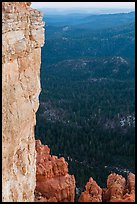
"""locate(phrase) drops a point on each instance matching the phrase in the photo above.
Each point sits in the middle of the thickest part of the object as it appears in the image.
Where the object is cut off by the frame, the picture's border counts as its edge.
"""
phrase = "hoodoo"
(29, 172)
(117, 190)
(53, 183)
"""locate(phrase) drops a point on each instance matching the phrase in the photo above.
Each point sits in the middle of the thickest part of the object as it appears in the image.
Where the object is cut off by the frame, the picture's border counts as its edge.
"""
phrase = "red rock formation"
(129, 195)
(53, 183)
(93, 192)
(115, 187)
(117, 190)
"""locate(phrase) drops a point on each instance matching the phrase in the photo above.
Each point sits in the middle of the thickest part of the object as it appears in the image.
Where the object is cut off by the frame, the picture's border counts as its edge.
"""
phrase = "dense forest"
(87, 102)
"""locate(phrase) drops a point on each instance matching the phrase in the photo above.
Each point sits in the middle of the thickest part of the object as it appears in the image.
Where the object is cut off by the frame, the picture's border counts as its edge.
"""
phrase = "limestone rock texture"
(53, 183)
(22, 39)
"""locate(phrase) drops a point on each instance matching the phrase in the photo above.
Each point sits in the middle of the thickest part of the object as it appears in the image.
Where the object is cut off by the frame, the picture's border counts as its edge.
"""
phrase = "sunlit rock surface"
(118, 190)
(92, 193)
(22, 38)
(53, 183)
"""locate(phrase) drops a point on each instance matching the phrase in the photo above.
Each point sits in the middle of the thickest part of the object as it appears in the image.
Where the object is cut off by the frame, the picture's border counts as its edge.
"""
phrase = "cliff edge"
(22, 38)
(24, 170)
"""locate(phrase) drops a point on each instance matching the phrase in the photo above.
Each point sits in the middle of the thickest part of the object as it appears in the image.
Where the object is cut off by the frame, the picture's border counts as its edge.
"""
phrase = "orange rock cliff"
(22, 39)
(29, 172)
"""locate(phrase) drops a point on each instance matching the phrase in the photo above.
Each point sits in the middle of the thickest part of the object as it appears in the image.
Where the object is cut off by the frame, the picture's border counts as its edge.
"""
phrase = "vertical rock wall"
(22, 38)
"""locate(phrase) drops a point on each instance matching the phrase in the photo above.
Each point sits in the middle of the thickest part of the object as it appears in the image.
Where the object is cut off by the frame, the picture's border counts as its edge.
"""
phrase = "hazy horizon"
(61, 8)
(85, 5)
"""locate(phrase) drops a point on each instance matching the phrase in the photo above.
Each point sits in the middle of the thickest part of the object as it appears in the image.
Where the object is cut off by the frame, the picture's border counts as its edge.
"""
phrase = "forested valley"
(87, 102)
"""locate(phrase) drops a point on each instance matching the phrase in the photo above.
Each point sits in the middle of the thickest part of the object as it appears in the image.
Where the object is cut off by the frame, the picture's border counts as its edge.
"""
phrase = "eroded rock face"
(118, 190)
(53, 183)
(93, 192)
(22, 38)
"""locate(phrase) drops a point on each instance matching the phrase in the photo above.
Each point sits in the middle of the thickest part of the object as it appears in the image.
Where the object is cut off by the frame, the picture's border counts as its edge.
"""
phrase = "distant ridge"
(61, 11)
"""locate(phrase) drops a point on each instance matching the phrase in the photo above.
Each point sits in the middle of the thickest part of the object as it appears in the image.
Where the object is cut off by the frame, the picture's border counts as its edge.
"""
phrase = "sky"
(69, 5)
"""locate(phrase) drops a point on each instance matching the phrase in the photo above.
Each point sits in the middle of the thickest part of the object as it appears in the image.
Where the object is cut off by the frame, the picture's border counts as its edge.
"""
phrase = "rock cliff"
(22, 38)
(53, 183)
(24, 170)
